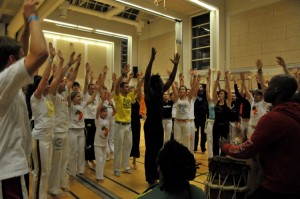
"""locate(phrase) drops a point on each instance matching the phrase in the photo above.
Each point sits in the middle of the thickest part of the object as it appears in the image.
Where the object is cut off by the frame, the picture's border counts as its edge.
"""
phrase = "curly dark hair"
(177, 166)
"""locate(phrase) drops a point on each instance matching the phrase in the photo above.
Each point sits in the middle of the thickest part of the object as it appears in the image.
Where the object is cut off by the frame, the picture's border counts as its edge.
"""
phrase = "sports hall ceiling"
(114, 10)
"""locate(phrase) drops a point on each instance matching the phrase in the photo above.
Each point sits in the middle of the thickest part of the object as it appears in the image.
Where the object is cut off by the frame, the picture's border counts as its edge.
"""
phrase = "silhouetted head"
(156, 82)
(176, 165)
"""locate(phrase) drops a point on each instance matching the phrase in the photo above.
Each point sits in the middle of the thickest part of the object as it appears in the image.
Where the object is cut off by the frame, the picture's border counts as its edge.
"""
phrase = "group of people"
(72, 129)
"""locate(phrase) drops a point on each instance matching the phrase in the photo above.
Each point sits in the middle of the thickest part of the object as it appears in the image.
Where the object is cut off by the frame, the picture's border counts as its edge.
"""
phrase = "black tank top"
(222, 113)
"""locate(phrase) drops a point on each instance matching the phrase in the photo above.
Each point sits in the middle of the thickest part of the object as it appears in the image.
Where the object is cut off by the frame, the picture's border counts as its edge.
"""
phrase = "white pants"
(192, 137)
(123, 144)
(209, 128)
(110, 146)
(167, 125)
(100, 155)
(77, 144)
(60, 158)
(182, 131)
(234, 131)
(42, 156)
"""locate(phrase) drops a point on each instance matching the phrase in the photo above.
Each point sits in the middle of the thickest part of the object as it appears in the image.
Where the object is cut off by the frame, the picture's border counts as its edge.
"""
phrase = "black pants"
(200, 125)
(154, 138)
(90, 137)
(219, 131)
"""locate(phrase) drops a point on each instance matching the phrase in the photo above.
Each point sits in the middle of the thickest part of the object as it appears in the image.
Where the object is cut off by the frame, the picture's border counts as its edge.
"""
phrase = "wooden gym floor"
(126, 186)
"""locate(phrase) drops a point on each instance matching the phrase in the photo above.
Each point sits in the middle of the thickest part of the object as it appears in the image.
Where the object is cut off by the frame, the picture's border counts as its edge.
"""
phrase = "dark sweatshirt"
(276, 139)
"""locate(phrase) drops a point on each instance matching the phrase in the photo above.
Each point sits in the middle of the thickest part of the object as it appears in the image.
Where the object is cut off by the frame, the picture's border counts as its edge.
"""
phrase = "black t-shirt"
(167, 109)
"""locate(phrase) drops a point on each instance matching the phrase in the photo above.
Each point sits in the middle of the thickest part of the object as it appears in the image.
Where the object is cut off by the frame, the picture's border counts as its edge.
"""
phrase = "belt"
(123, 123)
(182, 120)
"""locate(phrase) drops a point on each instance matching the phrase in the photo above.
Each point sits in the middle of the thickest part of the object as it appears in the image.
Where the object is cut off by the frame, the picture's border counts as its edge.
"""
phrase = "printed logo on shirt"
(105, 131)
(79, 114)
(254, 110)
(50, 107)
(126, 103)
(183, 108)
(58, 144)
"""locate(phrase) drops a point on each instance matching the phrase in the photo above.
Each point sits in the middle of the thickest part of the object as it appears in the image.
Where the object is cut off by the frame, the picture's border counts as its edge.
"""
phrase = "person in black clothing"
(153, 129)
(222, 101)
(201, 112)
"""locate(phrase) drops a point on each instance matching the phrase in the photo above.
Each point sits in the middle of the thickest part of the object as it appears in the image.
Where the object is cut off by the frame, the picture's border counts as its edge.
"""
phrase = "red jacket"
(277, 140)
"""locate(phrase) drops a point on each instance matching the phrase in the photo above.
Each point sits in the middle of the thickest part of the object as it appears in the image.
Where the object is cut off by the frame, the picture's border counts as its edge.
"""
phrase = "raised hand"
(78, 59)
(52, 50)
(280, 61)
(126, 69)
(87, 68)
(114, 77)
(153, 53)
(181, 77)
(176, 59)
(209, 72)
(105, 69)
(130, 76)
(61, 58)
(29, 8)
(259, 64)
(242, 75)
(218, 75)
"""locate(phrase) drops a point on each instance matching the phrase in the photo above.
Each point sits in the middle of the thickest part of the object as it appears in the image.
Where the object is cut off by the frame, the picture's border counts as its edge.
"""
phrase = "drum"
(227, 178)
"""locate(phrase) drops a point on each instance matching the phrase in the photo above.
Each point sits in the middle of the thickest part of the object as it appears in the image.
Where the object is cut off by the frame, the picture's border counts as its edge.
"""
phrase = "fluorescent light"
(103, 32)
(149, 10)
(87, 29)
(204, 5)
(77, 39)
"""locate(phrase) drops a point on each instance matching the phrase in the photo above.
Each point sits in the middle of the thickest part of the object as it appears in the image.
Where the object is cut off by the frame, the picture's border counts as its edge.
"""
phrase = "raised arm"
(227, 82)
(86, 78)
(259, 66)
(125, 71)
(215, 94)
(181, 79)
(73, 76)
(147, 85)
(194, 85)
(138, 89)
(24, 37)
(172, 76)
(248, 94)
(281, 63)
(38, 52)
(44, 81)
(113, 84)
(57, 75)
(207, 90)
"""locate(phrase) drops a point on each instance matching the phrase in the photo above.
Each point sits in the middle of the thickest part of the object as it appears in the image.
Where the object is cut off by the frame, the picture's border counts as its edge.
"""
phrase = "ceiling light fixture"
(204, 5)
(149, 10)
(86, 29)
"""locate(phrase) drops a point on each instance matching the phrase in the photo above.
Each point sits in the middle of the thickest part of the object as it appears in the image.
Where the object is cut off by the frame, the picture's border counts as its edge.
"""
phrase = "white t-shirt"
(183, 109)
(43, 114)
(258, 109)
(76, 113)
(102, 131)
(91, 109)
(110, 110)
(61, 113)
(15, 135)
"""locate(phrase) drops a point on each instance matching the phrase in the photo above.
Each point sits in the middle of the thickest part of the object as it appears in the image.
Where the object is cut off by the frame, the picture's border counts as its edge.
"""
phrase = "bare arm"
(86, 78)
(229, 97)
(147, 86)
(113, 84)
(208, 96)
(38, 52)
(281, 63)
(181, 79)
(73, 76)
(44, 81)
(259, 65)
(24, 37)
(215, 95)
(248, 94)
(172, 76)
(57, 75)
(125, 70)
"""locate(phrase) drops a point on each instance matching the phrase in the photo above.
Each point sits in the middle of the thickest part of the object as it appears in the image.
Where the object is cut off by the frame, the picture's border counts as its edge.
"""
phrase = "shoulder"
(197, 192)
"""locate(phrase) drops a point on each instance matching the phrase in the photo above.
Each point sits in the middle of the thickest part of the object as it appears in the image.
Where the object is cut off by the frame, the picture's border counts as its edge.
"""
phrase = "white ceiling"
(10, 8)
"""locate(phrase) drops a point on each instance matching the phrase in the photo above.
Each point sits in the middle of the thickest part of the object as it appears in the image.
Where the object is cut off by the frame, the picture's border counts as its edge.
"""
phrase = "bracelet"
(32, 18)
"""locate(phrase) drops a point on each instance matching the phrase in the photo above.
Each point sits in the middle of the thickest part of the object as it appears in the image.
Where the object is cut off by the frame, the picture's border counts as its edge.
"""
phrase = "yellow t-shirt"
(123, 106)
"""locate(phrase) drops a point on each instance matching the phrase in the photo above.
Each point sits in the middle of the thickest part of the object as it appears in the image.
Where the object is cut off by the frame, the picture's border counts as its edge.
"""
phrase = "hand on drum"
(222, 142)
